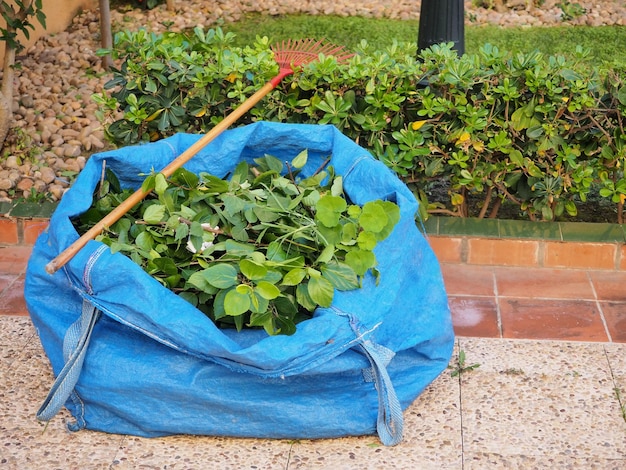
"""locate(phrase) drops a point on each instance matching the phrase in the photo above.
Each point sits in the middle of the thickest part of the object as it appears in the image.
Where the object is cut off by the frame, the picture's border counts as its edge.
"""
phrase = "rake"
(289, 55)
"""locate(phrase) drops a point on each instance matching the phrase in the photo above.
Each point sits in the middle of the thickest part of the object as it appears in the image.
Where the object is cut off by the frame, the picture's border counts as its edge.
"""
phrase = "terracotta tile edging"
(22, 223)
(527, 244)
(463, 241)
(21, 231)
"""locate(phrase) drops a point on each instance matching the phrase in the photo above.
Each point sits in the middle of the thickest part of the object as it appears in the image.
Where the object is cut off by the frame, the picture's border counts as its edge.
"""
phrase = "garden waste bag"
(132, 357)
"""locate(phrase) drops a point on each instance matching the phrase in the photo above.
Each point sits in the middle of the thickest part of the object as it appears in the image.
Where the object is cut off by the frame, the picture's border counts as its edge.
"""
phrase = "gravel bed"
(55, 126)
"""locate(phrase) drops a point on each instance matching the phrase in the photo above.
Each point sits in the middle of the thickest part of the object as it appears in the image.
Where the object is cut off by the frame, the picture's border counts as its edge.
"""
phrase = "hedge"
(540, 132)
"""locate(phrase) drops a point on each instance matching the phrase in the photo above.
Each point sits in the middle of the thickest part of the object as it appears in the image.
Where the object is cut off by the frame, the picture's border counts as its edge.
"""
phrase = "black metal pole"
(442, 21)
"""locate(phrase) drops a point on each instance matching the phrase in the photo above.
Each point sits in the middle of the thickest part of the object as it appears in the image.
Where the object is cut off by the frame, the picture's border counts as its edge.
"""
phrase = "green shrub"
(532, 130)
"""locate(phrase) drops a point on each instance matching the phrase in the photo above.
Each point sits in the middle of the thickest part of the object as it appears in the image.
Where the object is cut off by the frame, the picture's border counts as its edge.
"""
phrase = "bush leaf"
(321, 291)
(221, 276)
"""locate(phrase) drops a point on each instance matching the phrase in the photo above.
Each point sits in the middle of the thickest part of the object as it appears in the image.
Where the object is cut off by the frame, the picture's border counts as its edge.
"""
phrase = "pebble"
(47, 174)
(59, 73)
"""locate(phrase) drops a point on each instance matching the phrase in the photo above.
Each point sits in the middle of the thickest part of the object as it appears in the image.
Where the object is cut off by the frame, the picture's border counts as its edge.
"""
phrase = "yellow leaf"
(479, 145)
(622, 198)
(565, 99)
(415, 125)
(457, 199)
(154, 115)
(232, 77)
(464, 137)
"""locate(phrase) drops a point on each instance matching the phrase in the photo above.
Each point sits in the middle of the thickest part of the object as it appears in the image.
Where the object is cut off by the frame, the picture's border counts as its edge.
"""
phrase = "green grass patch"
(606, 43)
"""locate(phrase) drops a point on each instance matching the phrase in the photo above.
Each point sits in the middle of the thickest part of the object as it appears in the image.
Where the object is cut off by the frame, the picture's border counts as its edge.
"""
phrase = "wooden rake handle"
(66, 255)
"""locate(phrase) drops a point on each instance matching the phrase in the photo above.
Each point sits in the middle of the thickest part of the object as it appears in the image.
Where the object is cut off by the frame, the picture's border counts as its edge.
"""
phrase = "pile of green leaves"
(263, 248)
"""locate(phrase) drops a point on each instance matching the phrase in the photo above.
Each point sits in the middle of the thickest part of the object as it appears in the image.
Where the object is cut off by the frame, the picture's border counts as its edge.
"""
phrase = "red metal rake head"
(292, 54)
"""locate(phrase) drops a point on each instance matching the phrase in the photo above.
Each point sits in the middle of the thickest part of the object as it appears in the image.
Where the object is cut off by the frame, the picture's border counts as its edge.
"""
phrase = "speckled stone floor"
(549, 390)
(530, 404)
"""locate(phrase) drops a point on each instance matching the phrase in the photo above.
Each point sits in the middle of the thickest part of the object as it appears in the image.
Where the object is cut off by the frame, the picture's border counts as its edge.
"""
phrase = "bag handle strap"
(75, 346)
(390, 421)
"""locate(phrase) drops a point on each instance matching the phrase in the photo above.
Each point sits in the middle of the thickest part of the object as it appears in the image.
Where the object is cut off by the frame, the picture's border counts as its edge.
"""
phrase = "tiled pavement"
(549, 392)
(486, 301)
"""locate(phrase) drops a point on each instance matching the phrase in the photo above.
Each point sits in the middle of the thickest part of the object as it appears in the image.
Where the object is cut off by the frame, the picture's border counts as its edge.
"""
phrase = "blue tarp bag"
(132, 357)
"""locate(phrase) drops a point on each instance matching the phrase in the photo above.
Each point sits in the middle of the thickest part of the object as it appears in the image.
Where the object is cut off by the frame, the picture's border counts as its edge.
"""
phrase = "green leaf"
(273, 276)
(367, 241)
(621, 95)
(303, 297)
(148, 184)
(275, 252)
(286, 305)
(330, 235)
(321, 291)
(252, 270)
(535, 131)
(337, 187)
(354, 211)
(250, 216)
(238, 320)
(267, 290)
(300, 159)
(523, 118)
(182, 232)
(160, 184)
(392, 211)
(241, 172)
(144, 241)
(189, 297)
(233, 205)
(154, 213)
(349, 234)
(264, 319)
(269, 162)
(311, 197)
(326, 255)
(533, 169)
(373, 217)
(546, 213)
(221, 276)
(218, 304)
(258, 304)
(340, 275)
(165, 265)
(200, 282)
(570, 207)
(286, 325)
(236, 303)
(516, 157)
(196, 230)
(329, 209)
(360, 261)
(239, 233)
(214, 184)
(294, 277)
(184, 177)
(266, 215)
(238, 249)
